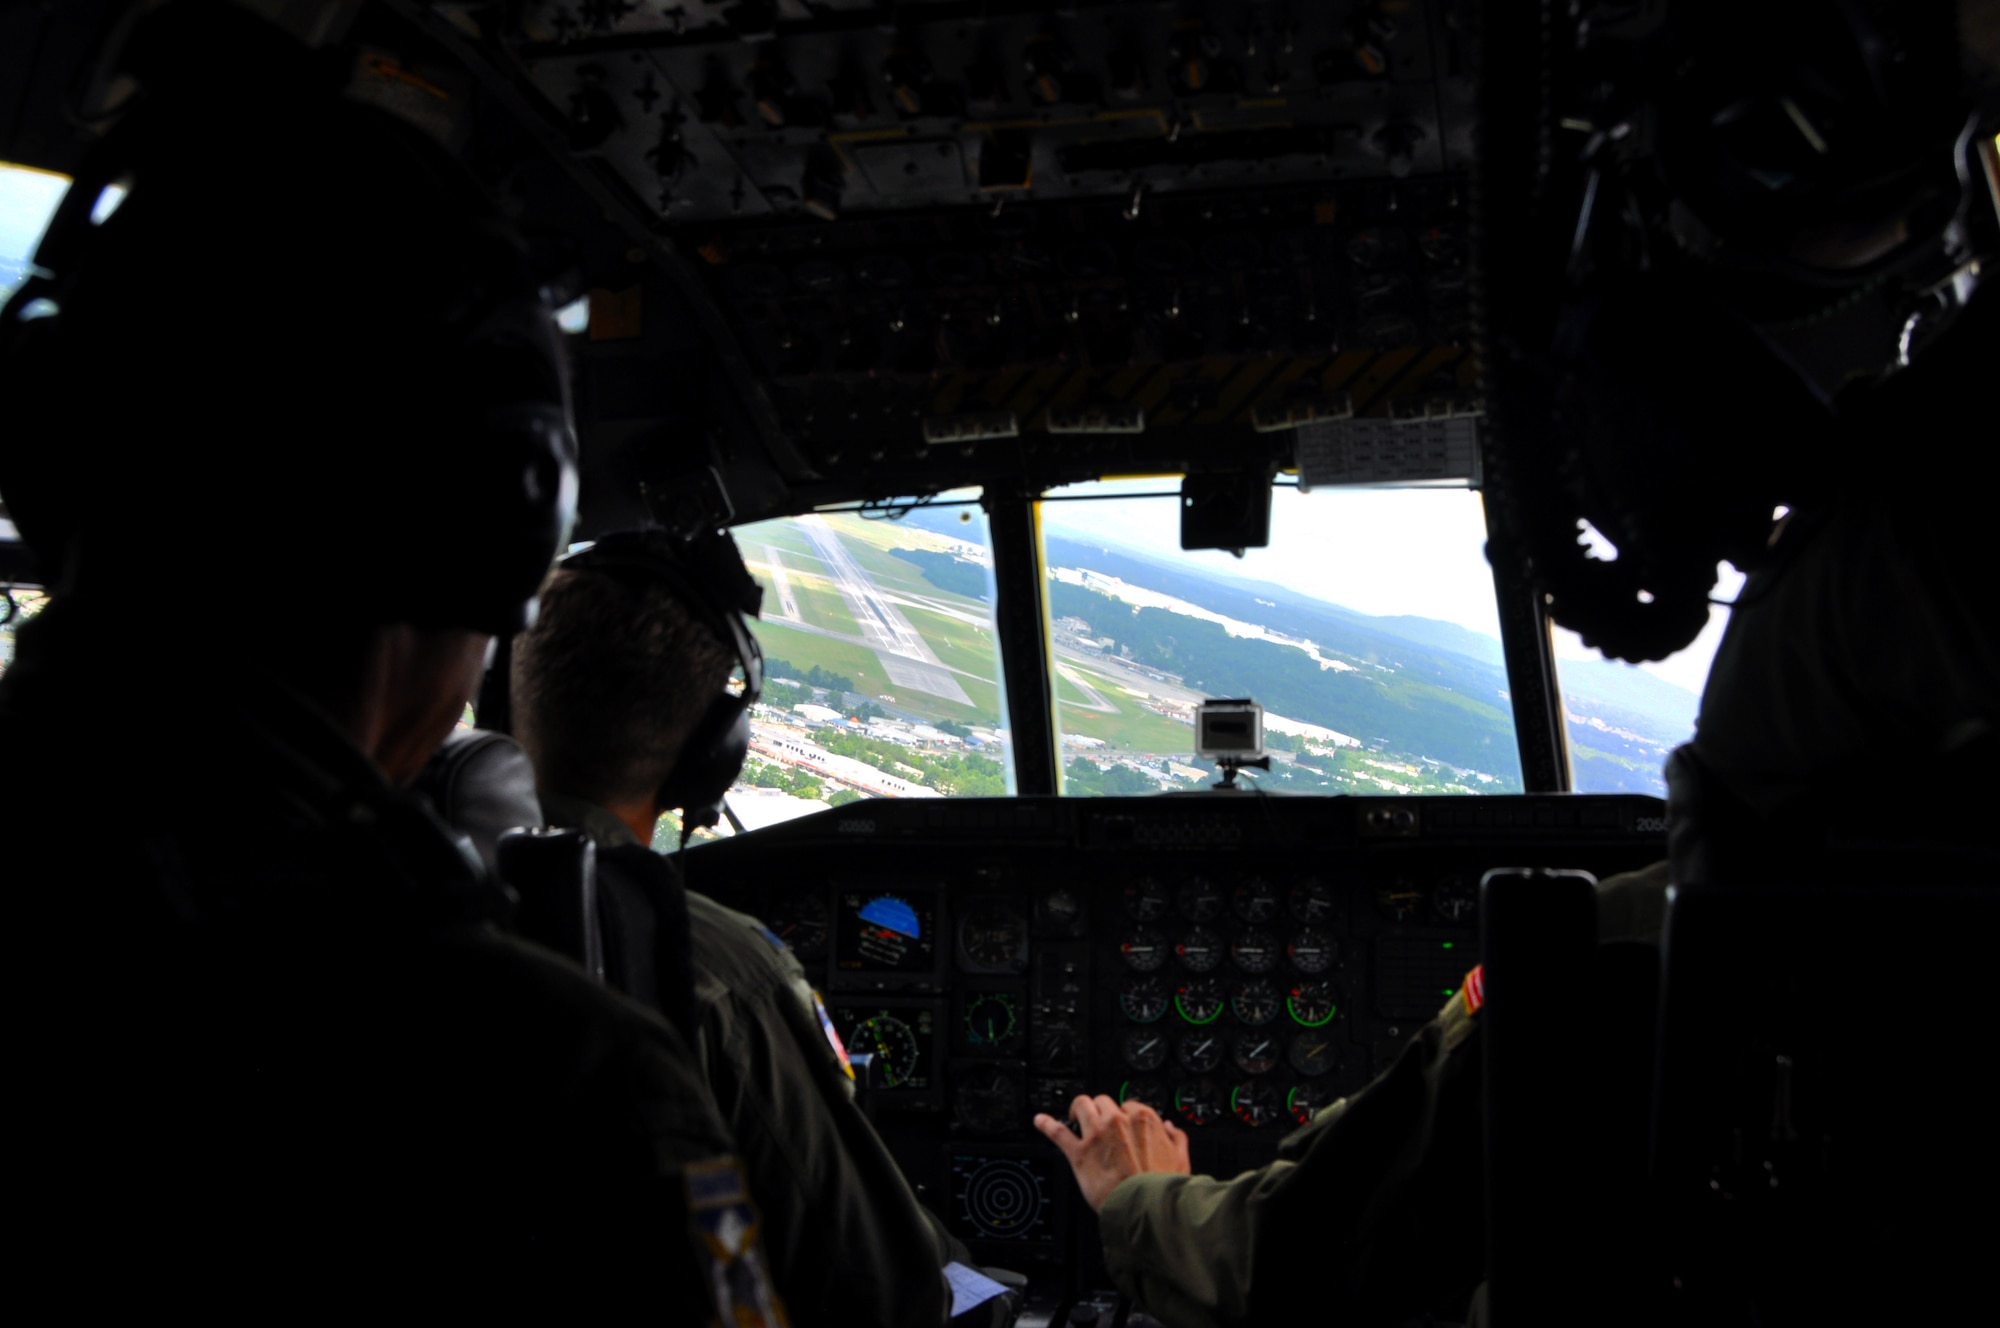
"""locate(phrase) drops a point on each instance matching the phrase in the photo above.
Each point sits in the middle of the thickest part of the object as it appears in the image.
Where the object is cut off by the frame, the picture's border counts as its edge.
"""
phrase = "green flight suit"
(848, 1240)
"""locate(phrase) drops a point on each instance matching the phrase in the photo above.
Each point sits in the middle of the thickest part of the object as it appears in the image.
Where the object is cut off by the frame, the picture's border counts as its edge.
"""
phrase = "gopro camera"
(1231, 731)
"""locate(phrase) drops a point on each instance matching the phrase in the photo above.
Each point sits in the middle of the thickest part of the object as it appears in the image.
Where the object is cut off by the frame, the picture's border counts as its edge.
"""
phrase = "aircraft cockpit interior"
(1187, 574)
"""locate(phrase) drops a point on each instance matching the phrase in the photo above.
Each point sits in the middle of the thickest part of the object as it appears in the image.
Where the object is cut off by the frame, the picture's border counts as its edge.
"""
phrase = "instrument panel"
(1236, 963)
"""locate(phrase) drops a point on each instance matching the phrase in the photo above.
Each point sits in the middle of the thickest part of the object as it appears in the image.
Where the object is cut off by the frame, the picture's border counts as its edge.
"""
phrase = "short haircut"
(610, 682)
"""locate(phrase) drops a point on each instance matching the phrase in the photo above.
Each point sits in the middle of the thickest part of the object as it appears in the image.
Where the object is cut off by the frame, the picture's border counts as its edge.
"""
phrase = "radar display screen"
(886, 931)
(1002, 1198)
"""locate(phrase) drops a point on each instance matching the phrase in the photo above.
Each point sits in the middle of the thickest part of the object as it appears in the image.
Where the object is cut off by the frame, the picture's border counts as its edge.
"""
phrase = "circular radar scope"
(1001, 1198)
(1145, 949)
(1146, 900)
(1256, 1002)
(1144, 1000)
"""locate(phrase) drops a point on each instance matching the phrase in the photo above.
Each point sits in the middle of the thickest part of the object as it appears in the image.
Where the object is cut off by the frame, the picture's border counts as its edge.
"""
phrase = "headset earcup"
(709, 764)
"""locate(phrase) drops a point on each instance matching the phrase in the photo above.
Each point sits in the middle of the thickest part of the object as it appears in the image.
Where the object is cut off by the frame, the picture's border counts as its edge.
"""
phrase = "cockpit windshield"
(1366, 629)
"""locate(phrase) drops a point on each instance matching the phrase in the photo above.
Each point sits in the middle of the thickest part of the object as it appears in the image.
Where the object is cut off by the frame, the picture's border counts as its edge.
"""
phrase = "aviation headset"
(1663, 192)
(432, 484)
(706, 575)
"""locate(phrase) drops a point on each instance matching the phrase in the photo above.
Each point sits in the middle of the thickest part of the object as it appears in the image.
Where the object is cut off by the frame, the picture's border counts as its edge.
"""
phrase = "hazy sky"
(1378, 551)
(1381, 551)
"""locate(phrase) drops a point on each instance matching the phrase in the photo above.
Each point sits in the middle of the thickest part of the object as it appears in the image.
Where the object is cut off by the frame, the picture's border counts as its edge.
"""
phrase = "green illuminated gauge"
(1143, 1000)
(1311, 951)
(1144, 948)
(1199, 900)
(1313, 1053)
(1257, 1105)
(1200, 1051)
(1313, 1003)
(990, 1019)
(1255, 900)
(1200, 950)
(1155, 1094)
(1146, 900)
(1200, 1000)
(1256, 1002)
(895, 1048)
(1307, 1100)
(1255, 952)
(1198, 1102)
(1311, 901)
(1145, 1049)
(1456, 901)
(1257, 1052)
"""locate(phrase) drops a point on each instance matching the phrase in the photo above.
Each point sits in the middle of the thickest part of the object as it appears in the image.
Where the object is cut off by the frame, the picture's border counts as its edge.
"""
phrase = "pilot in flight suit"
(608, 685)
(269, 1053)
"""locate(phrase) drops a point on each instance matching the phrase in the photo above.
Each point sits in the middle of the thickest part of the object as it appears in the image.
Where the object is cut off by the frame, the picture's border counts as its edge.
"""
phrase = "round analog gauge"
(1256, 1001)
(990, 1018)
(1256, 1105)
(1455, 901)
(1311, 901)
(1398, 900)
(1199, 900)
(800, 921)
(1053, 1048)
(1145, 1049)
(1313, 1053)
(1200, 950)
(1060, 909)
(1144, 948)
(1255, 900)
(1307, 1100)
(1200, 1000)
(1154, 1093)
(1313, 1003)
(1254, 952)
(1143, 1000)
(1257, 1052)
(987, 1099)
(1311, 951)
(1198, 1102)
(1200, 1050)
(1146, 900)
(892, 1044)
(995, 939)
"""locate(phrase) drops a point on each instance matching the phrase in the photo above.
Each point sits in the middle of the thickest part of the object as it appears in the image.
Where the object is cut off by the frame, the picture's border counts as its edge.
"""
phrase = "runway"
(906, 657)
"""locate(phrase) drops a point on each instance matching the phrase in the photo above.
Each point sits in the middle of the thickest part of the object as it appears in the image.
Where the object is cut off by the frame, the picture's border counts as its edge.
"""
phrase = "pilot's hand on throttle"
(1117, 1142)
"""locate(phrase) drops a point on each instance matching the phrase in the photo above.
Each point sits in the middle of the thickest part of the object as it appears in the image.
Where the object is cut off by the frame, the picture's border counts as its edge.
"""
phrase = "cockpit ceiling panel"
(762, 111)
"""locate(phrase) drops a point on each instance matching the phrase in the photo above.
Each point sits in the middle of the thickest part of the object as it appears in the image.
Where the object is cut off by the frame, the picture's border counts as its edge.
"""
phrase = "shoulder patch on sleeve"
(1460, 1013)
(726, 1220)
(832, 1035)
